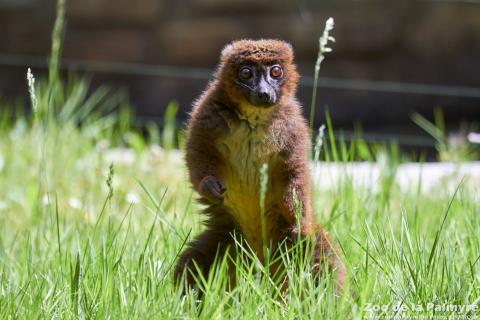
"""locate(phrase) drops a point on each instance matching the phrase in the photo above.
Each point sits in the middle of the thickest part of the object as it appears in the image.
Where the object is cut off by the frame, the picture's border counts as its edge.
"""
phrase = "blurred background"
(391, 58)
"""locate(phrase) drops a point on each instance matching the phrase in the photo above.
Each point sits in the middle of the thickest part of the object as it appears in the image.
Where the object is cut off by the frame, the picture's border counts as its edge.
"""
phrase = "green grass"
(90, 253)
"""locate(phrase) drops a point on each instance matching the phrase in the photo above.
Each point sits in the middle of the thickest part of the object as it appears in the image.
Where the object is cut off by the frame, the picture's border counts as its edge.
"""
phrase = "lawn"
(93, 216)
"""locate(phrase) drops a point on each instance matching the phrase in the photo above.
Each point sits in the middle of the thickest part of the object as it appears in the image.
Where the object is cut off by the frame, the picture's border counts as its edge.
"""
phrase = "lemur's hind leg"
(207, 247)
(202, 252)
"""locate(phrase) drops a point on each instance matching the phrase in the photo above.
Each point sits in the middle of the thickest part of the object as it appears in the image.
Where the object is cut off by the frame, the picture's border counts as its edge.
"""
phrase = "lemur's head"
(259, 72)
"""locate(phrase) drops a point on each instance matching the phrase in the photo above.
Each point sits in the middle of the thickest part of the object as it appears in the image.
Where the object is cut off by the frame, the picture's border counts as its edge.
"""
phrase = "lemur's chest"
(245, 150)
(251, 142)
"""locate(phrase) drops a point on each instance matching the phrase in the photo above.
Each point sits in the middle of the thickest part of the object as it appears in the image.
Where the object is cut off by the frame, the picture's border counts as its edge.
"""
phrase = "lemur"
(249, 116)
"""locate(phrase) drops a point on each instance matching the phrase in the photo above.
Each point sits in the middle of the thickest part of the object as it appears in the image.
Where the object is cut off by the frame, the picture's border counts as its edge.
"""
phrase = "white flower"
(74, 203)
(46, 200)
(156, 150)
(474, 137)
(122, 156)
(132, 198)
(102, 145)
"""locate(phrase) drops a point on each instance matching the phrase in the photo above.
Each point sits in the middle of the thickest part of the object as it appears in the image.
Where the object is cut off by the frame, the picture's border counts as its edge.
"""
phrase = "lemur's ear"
(227, 50)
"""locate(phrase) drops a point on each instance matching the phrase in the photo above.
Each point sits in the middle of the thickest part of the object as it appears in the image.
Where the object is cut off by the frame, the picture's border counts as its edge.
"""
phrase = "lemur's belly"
(246, 149)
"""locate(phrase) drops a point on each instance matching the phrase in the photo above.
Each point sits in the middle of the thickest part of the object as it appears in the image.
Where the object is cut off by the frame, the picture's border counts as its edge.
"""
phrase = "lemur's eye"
(245, 73)
(276, 71)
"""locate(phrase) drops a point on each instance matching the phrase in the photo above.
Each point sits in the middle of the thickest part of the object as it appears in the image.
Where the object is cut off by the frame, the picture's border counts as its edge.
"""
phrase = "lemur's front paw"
(212, 189)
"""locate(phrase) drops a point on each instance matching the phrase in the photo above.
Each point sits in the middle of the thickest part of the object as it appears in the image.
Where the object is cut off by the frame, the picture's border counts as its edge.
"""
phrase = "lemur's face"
(260, 83)
(260, 73)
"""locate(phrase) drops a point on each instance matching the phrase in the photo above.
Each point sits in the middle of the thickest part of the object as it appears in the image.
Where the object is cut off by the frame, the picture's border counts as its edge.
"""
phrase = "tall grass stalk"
(169, 126)
(322, 49)
(57, 34)
(263, 194)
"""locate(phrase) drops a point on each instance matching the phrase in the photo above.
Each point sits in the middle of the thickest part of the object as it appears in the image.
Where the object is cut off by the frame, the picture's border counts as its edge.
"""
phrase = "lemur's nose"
(263, 96)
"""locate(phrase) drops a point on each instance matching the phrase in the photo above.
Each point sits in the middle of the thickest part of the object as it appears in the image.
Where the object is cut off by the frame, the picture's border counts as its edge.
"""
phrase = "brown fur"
(228, 140)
